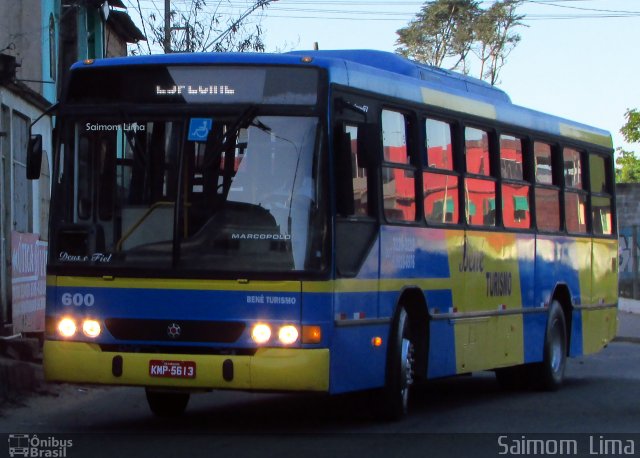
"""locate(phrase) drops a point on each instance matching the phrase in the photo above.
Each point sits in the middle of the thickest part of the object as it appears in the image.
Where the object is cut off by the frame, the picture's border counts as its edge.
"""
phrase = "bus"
(319, 221)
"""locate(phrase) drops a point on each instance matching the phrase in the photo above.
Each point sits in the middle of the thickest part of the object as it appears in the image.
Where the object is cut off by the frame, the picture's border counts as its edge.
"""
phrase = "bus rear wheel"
(550, 372)
(167, 403)
(400, 369)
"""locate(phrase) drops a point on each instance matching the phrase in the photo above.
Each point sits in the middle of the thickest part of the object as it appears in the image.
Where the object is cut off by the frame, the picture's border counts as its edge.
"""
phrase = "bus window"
(394, 138)
(602, 219)
(575, 212)
(575, 201)
(438, 145)
(480, 197)
(572, 168)
(548, 209)
(359, 175)
(542, 155)
(511, 157)
(600, 182)
(440, 198)
(477, 151)
(515, 206)
(597, 174)
(398, 180)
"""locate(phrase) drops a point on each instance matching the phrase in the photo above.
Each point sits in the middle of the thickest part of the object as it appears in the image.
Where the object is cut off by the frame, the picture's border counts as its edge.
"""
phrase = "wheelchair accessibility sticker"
(199, 129)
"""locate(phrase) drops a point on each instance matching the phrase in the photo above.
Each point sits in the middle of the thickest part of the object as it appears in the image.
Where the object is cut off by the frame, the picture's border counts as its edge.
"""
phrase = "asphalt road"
(601, 397)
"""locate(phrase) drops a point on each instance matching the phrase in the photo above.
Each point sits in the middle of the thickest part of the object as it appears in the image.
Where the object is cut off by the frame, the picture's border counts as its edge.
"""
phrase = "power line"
(296, 9)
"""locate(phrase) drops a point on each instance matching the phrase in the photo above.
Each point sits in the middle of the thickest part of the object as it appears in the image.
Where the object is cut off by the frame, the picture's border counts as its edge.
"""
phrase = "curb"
(629, 305)
(626, 339)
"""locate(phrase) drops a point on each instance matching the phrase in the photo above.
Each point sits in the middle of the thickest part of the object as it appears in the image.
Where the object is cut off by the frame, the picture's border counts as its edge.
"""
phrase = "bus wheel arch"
(562, 295)
(406, 352)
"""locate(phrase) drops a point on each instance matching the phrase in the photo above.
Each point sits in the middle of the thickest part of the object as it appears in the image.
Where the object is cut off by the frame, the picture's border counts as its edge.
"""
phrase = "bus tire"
(167, 403)
(550, 372)
(400, 369)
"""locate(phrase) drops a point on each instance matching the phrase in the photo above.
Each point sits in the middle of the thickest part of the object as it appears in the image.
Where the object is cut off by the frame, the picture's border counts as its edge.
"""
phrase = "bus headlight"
(67, 327)
(288, 334)
(91, 328)
(261, 333)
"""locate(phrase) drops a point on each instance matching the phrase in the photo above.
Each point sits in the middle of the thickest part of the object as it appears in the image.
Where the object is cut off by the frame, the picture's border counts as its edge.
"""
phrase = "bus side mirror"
(34, 157)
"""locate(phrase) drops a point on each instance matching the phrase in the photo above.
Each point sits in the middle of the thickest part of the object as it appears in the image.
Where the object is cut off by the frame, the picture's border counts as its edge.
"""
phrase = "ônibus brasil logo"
(33, 446)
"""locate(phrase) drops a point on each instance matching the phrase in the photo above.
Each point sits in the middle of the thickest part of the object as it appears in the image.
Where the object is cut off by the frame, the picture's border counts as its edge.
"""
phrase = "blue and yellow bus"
(324, 221)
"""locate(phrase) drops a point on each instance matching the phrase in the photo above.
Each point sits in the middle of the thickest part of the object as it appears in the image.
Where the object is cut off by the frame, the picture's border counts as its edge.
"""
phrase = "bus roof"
(393, 75)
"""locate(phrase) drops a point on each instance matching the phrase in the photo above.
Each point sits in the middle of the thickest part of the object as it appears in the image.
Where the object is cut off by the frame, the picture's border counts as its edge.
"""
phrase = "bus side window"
(351, 174)
(575, 199)
(398, 174)
(515, 190)
(547, 196)
(356, 229)
(440, 183)
(480, 189)
(358, 174)
(601, 200)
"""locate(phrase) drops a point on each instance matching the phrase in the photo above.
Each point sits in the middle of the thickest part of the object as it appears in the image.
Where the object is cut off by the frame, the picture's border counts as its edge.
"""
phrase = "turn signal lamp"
(288, 334)
(91, 328)
(261, 333)
(67, 327)
(376, 341)
(311, 334)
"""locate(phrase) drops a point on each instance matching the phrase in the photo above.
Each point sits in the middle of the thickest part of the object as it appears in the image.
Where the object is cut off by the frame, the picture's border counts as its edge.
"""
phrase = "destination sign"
(190, 84)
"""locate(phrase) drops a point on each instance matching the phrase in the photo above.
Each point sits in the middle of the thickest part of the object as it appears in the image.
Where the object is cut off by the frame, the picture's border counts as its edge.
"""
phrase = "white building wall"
(12, 104)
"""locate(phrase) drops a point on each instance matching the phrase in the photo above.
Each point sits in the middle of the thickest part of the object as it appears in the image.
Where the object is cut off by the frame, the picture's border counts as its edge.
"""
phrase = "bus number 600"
(78, 299)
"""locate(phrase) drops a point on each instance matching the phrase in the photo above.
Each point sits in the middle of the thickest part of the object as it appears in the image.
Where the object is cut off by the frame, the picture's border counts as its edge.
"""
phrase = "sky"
(578, 59)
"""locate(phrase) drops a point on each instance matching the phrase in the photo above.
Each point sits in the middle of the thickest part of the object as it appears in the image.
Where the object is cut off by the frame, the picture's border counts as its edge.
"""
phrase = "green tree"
(627, 167)
(631, 129)
(443, 29)
(627, 164)
(496, 38)
(447, 31)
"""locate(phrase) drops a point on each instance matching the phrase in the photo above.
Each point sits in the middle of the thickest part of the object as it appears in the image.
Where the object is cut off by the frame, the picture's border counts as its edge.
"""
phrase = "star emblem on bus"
(174, 330)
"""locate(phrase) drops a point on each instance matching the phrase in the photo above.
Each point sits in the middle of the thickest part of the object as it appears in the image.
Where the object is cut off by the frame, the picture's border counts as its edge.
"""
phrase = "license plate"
(172, 369)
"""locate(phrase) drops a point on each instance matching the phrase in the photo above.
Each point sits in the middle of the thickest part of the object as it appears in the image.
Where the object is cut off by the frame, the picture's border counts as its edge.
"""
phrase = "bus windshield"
(235, 194)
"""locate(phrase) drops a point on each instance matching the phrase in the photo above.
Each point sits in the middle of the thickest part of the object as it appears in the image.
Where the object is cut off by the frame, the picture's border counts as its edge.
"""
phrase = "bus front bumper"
(273, 369)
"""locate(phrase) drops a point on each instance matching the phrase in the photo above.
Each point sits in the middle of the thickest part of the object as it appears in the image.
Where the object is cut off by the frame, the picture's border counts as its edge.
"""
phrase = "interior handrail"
(133, 228)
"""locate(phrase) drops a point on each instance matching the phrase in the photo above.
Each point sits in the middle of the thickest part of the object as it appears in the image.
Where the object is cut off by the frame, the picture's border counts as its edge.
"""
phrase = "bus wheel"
(400, 369)
(550, 372)
(167, 403)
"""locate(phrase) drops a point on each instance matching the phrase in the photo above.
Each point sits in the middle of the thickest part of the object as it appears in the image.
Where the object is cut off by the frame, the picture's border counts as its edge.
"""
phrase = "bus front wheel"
(167, 403)
(400, 369)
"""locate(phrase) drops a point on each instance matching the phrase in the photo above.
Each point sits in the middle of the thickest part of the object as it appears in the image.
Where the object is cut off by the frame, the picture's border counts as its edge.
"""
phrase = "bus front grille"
(175, 330)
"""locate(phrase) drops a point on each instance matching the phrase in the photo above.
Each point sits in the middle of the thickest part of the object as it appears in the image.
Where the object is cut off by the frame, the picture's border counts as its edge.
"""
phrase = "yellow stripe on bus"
(458, 103)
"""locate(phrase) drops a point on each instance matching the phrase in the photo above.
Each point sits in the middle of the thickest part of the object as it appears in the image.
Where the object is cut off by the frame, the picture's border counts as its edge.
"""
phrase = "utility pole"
(167, 26)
